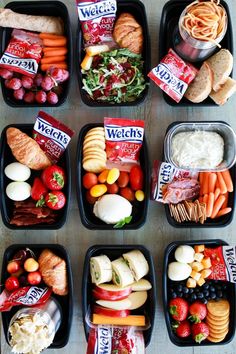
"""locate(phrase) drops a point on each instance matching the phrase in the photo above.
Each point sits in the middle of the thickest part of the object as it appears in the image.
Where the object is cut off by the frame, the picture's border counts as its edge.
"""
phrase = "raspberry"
(14, 84)
(41, 96)
(38, 79)
(29, 97)
(27, 82)
(6, 74)
(19, 94)
(47, 83)
(52, 98)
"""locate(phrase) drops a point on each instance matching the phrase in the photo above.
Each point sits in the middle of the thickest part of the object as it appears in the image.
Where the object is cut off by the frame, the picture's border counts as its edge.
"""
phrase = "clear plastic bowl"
(219, 127)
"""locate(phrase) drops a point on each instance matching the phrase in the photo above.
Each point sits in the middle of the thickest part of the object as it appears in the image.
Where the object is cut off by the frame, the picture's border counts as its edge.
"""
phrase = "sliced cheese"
(132, 320)
(100, 269)
(137, 263)
(121, 274)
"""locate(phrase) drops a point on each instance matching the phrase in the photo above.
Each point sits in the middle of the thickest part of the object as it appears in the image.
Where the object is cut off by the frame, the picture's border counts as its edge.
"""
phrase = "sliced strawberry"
(38, 192)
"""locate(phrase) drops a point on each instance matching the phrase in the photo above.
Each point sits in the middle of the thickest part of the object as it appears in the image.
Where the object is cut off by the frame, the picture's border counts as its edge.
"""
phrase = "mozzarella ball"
(178, 271)
(184, 254)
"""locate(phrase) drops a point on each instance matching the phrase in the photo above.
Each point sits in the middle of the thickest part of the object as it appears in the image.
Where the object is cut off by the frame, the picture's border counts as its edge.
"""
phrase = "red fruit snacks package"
(97, 19)
(23, 53)
(173, 75)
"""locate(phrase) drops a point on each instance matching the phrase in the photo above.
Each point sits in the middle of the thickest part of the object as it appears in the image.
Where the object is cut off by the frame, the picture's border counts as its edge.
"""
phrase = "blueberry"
(219, 293)
(191, 291)
(213, 295)
(212, 288)
(197, 291)
(200, 296)
(205, 286)
(179, 288)
(204, 301)
(185, 290)
(218, 287)
(173, 295)
(193, 297)
(180, 294)
(172, 290)
(206, 292)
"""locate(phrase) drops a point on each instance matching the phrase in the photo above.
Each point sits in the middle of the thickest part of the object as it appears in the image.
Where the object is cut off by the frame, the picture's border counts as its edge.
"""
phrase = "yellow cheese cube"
(205, 273)
(195, 275)
(191, 283)
(199, 248)
(200, 282)
(197, 266)
(198, 257)
(206, 262)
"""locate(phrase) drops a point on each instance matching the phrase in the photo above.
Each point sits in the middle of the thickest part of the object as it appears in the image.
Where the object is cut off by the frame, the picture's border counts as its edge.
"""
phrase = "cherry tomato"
(89, 198)
(136, 178)
(55, 200)
(112, 188)
(89, 180)
(53, 177)
(123, 179)
(13, 266)
(34, 278)
(31, 265)
(12, 283)
(127, 193)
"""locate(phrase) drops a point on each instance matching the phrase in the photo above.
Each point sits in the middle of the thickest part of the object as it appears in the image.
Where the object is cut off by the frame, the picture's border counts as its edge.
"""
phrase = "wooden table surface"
(156, 234)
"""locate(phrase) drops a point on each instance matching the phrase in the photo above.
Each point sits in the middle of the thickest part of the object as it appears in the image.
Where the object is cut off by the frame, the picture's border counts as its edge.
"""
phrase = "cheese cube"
(199, 248)
(197, 266)
(205, 273)
(200, 282)
(206, 262)
(198, 257)
(195, 275)
(191, 283)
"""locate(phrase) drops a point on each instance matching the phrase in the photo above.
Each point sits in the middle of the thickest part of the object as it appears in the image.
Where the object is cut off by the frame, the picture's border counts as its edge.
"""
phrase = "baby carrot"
(54, 42)
(223, 188)
(225, 204)
(61, 65)
(217, 205)
(54, 51)
(228, 180)
(201, 177)
(217, 193)
(44, 35)
(210, 204)
(223, 212)
(212, 182)
(55, 59)
(205, 198)
(205, 183)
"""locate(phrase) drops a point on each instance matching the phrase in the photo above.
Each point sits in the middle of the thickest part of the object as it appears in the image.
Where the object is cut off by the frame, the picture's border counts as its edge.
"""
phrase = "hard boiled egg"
(184, 254)
(16, 171)
(112, 208)
(18, 191)
(179, 271)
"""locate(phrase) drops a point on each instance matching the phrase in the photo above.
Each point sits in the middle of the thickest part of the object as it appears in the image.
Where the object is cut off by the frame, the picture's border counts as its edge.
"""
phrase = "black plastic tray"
(62, 335)
(48, 8)
(140, 209)
(136, 8)
(169, 20)
(222, 221)
(113, 252)
(6, 204)
(169, 257)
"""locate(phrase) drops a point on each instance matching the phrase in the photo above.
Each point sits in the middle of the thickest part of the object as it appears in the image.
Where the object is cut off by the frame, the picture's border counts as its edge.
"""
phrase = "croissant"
(53, 271)
(128, 33)
(26, 150)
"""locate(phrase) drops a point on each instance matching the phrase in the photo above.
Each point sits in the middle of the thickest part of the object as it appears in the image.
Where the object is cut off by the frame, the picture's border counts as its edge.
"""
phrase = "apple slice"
(99, 310)
(110, 292)
(124, 304)
(141, 285)
(137, 299)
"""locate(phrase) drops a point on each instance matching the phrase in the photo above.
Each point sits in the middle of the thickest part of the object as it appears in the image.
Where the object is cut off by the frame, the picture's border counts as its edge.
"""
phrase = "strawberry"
(38, 192)
(200, 332)
(183, 329)
(178, 308)
(198, 312)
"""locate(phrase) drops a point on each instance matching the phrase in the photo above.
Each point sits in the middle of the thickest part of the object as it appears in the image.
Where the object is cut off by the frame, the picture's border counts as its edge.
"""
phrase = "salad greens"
(115, 76)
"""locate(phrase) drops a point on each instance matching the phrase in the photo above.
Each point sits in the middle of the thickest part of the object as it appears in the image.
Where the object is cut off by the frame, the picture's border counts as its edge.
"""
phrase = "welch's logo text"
(45, 129)
(163, 73)
(229, 254)
(103, 341)
(90, 10)
(132, 134)
(32, 296)
(30, 65)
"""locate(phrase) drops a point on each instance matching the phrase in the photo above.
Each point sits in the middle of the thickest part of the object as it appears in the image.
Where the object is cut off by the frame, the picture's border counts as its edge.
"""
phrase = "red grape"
(6, 83)
(14, 83)
(19, 94)
(6, 74)
(29, 97)
(56, 73)
(41, 96)
(52, 98)
(65, 75)
(47, 83)
(38, 79)
(27, 82)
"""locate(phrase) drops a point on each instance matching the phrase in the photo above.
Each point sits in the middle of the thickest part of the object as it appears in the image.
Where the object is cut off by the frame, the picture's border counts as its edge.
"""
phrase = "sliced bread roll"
(221, 64)
(226, 91)
(201, 86)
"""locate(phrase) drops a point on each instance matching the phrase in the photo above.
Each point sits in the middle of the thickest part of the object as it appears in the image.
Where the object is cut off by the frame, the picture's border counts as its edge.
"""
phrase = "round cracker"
(218, 318)
(94, 137)
(94, 143)
(97, 157)
(98, 133)
(96, 151)
(215, 332)
(217, 326)
(216, 340)
(94, 165)
(96, 129)
(218, 308)
(219, 335)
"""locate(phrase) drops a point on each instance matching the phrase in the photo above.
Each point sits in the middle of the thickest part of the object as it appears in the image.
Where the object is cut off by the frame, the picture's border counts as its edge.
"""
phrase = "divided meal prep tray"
(169, 257)
(88, 219)
(113, 252)
(169, 20)
(6, 204)
(50, 8)
(62, 335)
(137, 9)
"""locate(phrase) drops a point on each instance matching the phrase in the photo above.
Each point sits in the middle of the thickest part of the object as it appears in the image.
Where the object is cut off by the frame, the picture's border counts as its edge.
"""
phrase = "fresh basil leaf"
(122, 222)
